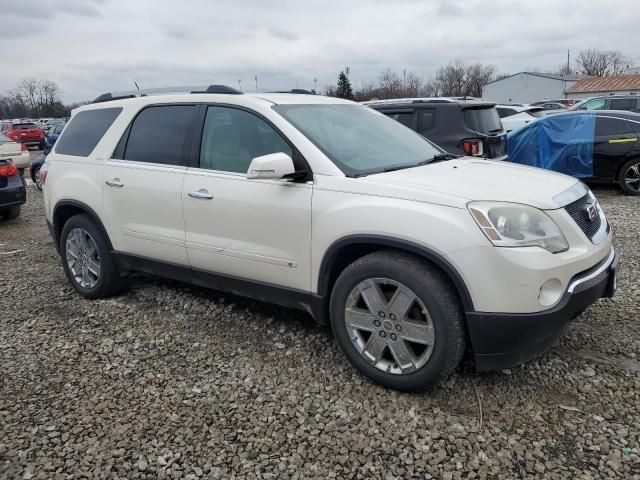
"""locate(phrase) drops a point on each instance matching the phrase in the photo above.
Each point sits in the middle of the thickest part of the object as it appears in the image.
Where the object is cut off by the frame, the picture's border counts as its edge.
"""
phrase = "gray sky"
(93, 46)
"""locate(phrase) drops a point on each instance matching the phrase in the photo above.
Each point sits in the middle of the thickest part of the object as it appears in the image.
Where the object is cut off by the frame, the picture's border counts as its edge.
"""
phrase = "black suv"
(460, 126)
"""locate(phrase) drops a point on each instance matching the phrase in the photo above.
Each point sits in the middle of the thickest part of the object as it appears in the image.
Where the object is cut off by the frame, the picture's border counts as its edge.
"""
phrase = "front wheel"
(35, 176)
(629, 177)
(87, 259)
(398, 320)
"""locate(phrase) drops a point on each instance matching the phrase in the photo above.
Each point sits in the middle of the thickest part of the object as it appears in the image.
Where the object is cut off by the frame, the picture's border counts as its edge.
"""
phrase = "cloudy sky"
(92, 46)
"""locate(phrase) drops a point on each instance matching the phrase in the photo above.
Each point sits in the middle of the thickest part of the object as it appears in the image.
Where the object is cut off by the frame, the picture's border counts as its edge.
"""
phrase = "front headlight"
(517, 225)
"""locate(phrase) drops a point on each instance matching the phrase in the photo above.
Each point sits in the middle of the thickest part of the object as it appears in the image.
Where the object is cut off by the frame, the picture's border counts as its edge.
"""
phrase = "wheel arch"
(343, 252)
(65, 209)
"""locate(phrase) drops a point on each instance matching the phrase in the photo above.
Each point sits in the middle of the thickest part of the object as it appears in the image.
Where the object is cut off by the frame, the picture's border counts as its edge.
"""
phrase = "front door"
(142, 184)
(249, 229)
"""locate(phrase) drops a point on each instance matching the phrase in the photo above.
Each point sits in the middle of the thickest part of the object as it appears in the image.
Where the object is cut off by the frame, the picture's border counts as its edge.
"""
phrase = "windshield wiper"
(440, 157)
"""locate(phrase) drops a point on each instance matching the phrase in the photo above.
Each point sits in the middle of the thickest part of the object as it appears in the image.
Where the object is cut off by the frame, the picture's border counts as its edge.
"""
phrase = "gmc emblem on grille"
(591, 211)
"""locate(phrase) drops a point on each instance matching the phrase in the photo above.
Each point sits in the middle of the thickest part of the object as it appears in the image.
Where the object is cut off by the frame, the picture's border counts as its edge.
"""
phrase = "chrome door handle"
(114, 182)
(201, 194)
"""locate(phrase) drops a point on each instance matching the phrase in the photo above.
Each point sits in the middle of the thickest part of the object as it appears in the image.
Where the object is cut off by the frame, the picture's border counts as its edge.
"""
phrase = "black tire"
(35, 172)
(437, 294)
(10, 213)
(109, 281)
(47, 150)
(622, 177)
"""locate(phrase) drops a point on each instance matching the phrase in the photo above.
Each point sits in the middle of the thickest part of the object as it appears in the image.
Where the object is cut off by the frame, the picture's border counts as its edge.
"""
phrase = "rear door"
(245, 228)
(142, 183)
(485, 121)
(614, 138)
(625, 104)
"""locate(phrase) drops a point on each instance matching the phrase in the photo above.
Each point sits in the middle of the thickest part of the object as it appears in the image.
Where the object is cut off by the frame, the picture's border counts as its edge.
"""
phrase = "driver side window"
(231, 138)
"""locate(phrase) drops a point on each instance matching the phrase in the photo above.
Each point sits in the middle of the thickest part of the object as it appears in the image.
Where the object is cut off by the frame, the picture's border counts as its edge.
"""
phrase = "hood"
(456, 182)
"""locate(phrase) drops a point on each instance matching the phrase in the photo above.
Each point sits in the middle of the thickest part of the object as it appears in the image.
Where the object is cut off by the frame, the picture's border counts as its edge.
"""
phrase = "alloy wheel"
(83, 258)
(389, 326)
(632, 177)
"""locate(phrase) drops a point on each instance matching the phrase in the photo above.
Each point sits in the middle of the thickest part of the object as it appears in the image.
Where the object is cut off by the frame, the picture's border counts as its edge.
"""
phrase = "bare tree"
(413, 85)
(460, 80)
(390, 84)
(478, 75)
(33, 98)
(601, 63)
(451, 79)
(27, 92)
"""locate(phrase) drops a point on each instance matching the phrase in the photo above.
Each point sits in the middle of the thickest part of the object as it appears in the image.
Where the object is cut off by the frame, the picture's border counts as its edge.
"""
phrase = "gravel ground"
(171, 381)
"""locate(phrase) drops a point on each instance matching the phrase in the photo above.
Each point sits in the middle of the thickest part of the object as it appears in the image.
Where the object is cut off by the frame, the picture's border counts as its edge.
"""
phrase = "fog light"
(550, 292)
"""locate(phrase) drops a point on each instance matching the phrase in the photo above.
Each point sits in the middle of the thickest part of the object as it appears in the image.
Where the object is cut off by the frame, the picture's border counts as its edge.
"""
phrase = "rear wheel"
(398, 320)
(87, 259)
(10, 213)
(629, 177)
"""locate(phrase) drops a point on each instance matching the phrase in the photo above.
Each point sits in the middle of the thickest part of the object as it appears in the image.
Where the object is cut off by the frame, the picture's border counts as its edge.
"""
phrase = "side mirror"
(274, 166)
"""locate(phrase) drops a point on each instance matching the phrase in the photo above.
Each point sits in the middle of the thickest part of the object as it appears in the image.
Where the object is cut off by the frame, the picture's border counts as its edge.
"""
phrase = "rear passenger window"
(404, 118)
(622, 104)
(85, 130)
(611, 127)
(426, 120)
(159, 135)
(231, 138)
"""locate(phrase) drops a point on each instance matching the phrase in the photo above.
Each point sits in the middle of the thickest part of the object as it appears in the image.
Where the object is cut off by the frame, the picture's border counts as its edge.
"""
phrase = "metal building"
(528, 87)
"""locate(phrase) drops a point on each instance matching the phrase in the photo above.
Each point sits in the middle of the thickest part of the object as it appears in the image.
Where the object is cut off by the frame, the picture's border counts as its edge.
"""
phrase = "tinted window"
(404, 118)
(595, 104)
(483, 120)
(231, 138)
(622, 104)
(24, 126)
(85, 130)
(160, 134)
(357, 139)
(426, 120)
(505, 112)
(610, 127)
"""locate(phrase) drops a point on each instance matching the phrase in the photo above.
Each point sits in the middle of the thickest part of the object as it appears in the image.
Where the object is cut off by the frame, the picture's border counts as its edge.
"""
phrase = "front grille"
(577, 210)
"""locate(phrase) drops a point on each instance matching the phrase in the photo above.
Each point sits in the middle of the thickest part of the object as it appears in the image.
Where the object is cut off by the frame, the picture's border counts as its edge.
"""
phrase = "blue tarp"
(562, 143)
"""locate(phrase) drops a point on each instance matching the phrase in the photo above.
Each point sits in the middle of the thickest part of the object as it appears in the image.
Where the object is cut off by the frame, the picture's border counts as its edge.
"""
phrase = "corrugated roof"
(606, 84)
(553, 76)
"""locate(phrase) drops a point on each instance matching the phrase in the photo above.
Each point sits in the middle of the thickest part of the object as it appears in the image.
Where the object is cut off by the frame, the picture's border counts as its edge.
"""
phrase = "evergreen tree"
(344, 89)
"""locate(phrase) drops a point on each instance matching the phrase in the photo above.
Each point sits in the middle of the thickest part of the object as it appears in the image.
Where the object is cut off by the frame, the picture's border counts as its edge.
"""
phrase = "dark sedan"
(600, 146)
(12, 190)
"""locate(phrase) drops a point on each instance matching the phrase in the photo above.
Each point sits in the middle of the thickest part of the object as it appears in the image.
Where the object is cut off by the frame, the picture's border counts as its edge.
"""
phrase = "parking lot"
(173, 381)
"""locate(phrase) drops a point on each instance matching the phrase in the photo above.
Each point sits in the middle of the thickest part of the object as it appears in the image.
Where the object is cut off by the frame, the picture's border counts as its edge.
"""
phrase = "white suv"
(316, 203)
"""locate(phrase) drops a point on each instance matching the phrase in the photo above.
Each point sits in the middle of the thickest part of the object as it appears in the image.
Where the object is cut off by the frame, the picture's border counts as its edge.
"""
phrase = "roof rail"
(299, 91)
(107, 97)
(411, 100)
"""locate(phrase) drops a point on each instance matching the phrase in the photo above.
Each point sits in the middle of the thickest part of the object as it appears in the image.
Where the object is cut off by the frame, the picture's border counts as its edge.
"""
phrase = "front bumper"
(13, 192)
(502, 340)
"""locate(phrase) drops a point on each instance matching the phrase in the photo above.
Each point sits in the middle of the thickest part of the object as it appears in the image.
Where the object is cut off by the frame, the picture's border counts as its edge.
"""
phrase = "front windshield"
(357, 139)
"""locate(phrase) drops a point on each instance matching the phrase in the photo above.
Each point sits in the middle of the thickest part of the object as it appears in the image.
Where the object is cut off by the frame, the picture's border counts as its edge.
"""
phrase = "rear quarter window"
(483, 120)
(85, 130)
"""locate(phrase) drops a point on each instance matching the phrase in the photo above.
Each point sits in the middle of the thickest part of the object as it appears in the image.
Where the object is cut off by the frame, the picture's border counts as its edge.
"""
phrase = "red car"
(24, 132)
